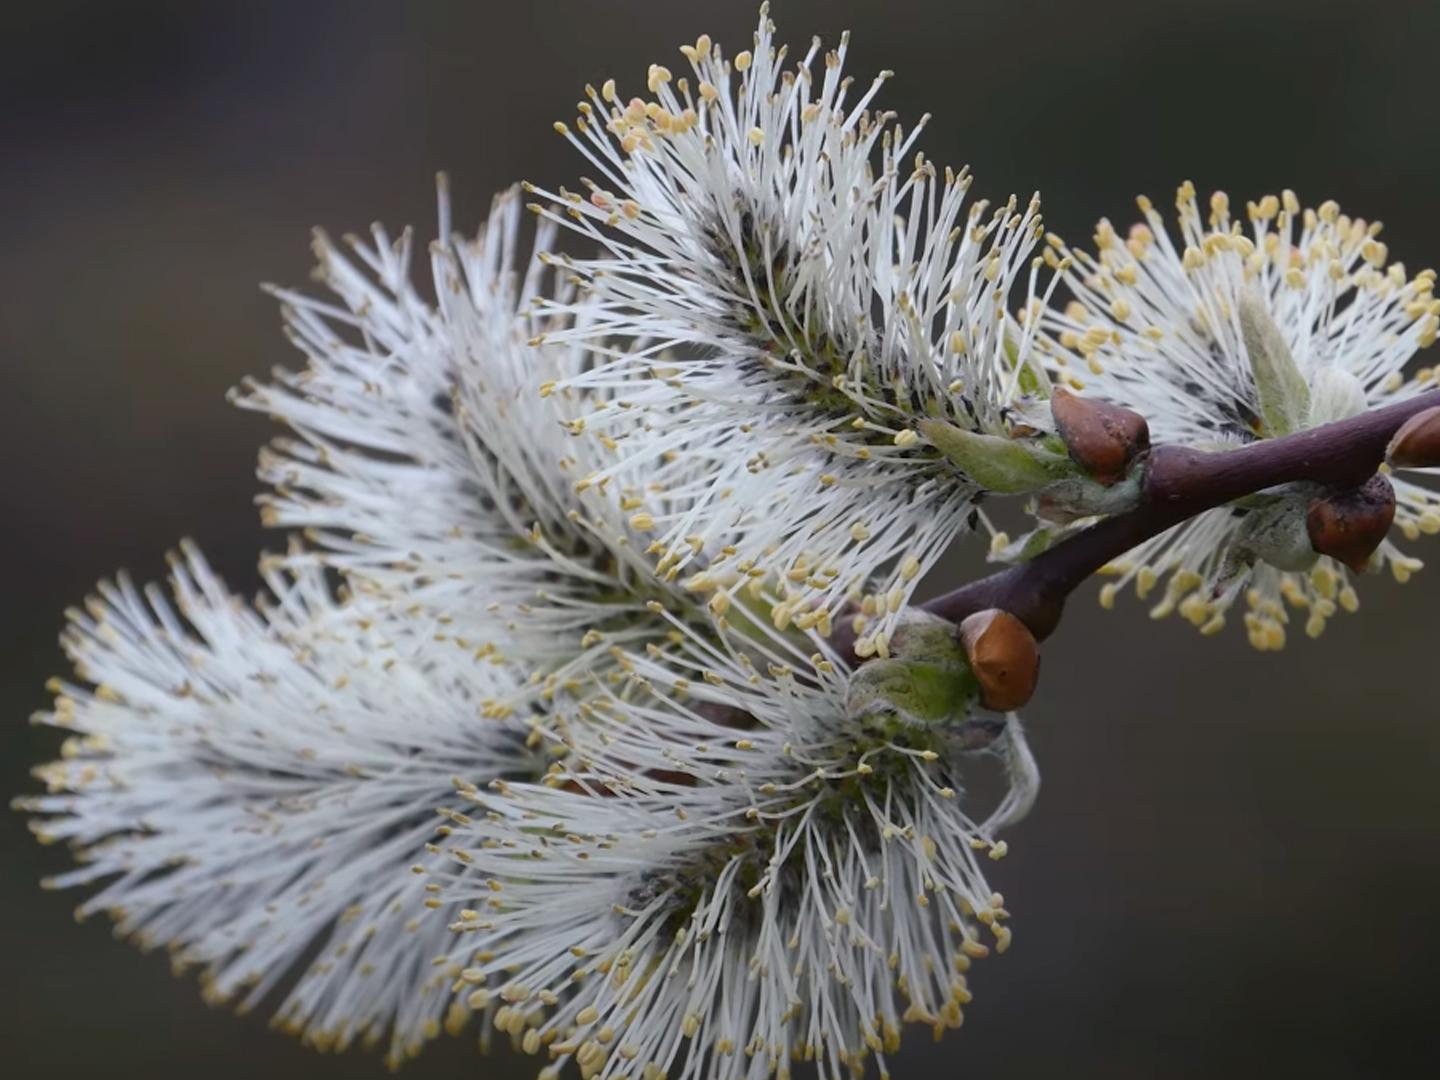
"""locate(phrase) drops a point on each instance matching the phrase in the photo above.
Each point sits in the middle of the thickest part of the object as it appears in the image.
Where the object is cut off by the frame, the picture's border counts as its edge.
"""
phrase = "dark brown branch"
(1180, 483)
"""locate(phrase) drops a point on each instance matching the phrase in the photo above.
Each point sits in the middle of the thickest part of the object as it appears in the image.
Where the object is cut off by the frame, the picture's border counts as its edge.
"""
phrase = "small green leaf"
(1080, 497)
(1283, 393)
(1007, 466)
(927, 681)
(1027, 545)
(1277, 535)
(1032, 379)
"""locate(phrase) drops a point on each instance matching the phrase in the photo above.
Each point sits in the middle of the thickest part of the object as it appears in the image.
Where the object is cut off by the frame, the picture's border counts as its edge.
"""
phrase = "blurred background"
(1234, 867)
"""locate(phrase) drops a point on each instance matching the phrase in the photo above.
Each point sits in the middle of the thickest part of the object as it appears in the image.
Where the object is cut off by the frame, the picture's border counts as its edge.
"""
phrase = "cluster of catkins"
(591, 709)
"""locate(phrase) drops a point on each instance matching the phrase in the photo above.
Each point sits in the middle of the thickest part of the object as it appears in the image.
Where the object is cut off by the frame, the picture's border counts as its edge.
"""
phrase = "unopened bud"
(1350, 525)
(1417, 444)
(1006, 466)
(1103, 439)
(1004, 657)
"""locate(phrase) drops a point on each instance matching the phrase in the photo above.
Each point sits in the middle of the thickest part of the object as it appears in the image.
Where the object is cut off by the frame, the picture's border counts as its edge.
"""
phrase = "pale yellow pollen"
(756, 136)
(1145, 580)
(742, 61)
(1265, 209)
(881, 642)
(1214, 625)
(1401, 568)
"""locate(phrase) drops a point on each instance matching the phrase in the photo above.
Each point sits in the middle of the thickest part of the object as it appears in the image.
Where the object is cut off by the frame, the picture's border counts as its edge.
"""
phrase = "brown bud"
(1417, 444)
(1102, 438)
(1004, 657)
(1350, 525)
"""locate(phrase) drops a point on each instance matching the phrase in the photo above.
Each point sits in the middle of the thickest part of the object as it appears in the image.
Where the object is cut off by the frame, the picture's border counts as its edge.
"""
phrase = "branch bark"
(1178, 484)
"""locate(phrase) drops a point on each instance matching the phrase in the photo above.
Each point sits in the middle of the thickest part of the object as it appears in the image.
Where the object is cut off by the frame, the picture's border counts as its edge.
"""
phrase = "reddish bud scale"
(1103, 439)
(1004, 657)
(1350, 525)
(1417, 444)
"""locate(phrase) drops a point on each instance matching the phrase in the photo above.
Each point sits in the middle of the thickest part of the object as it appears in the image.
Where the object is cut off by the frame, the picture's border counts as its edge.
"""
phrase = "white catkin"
(1155, 324)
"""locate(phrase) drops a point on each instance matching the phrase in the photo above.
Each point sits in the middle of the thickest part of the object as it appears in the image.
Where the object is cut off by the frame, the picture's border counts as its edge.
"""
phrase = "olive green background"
(1233, 868)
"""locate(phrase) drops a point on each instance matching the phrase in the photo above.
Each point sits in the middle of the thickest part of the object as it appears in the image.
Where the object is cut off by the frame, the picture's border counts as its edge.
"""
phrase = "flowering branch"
(588, 541)
(1178, 483)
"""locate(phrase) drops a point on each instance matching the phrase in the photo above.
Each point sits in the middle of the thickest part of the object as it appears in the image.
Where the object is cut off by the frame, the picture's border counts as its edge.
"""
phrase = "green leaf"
(1283, 393)
(926, 682)
(1007, 466)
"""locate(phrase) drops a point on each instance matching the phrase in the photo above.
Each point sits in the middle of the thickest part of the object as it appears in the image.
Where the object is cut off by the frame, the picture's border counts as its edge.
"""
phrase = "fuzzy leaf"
(1007, 466)
(1283, 393)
